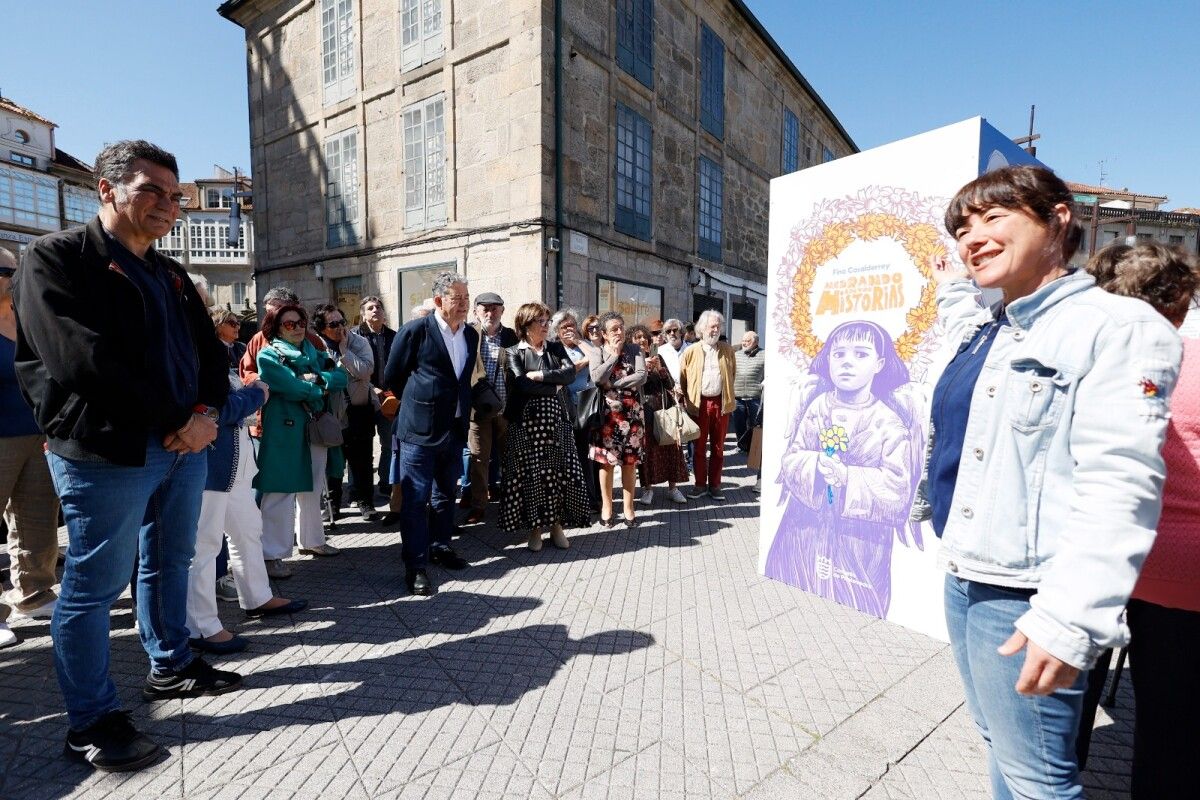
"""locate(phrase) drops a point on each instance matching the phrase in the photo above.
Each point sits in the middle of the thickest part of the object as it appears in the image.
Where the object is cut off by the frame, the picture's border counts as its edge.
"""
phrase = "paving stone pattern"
(651, 662)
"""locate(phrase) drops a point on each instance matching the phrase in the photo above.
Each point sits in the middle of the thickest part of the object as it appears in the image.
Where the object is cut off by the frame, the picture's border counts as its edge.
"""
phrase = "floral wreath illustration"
(873, 213)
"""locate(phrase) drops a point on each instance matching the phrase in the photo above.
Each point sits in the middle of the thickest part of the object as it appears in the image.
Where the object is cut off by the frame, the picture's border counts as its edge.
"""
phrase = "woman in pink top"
(1164, 614)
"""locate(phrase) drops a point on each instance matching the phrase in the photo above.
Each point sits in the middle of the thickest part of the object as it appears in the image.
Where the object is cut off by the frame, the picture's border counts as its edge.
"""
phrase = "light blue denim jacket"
(1060, 484)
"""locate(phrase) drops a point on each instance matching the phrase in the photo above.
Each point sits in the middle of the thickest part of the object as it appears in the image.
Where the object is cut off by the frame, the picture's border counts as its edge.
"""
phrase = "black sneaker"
(197, 679)
(112, 744)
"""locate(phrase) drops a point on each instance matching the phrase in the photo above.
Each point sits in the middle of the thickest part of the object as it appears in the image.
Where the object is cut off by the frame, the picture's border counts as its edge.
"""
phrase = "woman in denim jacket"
(1045, 475)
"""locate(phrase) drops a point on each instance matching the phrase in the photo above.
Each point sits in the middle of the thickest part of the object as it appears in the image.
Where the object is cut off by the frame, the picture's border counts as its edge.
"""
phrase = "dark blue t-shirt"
(16, 418)
(951, 408)
(172, 354)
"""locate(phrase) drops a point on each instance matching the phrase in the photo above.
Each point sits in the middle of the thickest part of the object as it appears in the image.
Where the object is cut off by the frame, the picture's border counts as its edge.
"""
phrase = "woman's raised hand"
(945, 270)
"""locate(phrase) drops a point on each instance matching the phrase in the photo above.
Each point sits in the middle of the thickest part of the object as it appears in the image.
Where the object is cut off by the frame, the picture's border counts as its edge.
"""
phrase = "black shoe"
(112, 744)
(197, 679)
(446, 557)
(290, 607)
(390, 518)
(418, 582)
(366, 510)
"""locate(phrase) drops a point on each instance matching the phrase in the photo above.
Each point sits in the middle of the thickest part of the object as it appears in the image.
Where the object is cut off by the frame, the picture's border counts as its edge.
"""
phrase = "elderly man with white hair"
(707, 371)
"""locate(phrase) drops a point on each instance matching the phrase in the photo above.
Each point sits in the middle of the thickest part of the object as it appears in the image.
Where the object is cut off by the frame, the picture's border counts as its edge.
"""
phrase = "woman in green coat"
(291, 472)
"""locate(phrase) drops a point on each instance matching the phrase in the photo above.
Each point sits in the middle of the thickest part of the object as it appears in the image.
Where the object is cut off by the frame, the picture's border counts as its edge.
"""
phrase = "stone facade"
(493, 66)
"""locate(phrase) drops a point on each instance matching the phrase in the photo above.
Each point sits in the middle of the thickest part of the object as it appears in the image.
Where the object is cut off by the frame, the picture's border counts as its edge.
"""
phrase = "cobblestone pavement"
(643, 663)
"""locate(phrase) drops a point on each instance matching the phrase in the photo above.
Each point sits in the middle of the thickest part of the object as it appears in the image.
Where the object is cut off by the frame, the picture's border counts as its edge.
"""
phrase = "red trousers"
(709, 454)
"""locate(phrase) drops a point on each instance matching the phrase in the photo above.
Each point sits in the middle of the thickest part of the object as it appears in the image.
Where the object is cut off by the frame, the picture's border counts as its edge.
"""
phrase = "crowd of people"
(1064, 435)
(179, 453)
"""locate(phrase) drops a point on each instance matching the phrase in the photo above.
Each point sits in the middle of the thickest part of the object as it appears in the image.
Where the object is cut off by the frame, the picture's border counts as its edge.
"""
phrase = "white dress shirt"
(456, 344)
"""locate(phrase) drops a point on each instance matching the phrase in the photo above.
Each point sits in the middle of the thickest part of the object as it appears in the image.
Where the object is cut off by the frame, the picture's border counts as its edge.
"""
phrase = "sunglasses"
(591, 328)
(292, 324)
(671, 332)
(7, 272)
(339, 324)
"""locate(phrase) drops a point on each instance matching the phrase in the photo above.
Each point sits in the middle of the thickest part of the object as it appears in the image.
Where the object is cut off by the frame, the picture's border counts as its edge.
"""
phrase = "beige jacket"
(691, 374)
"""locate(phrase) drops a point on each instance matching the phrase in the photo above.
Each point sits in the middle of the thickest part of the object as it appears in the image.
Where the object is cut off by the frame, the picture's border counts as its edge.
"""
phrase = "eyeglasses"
(656, 333)
(672, 332)
(542, 320)
(593, 328)
(341, 323)
(7, 272)
(292, 324)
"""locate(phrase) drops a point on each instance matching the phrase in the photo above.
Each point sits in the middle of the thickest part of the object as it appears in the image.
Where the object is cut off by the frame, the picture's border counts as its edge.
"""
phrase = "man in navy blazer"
(430, 369)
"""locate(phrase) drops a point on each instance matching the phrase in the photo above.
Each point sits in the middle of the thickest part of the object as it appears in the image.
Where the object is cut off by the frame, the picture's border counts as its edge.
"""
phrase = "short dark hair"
(371, 298)
(115, 161)
(639, 328)
(607, 317)
(270, 323)
(320, 315)
(526, 315)
(1033, 190)
(1165, 277)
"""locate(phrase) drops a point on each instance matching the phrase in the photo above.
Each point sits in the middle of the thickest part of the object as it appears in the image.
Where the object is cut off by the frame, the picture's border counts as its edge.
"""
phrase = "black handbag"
(484, 400)
(589, 409)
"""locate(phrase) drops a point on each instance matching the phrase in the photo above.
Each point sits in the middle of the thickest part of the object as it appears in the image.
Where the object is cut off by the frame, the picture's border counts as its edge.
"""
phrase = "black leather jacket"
(557, 372)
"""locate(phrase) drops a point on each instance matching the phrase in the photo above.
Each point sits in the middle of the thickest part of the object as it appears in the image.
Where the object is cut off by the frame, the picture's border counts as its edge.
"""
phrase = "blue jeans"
(428, 476)
(744, 415)
(113, 515)
(1031, 740)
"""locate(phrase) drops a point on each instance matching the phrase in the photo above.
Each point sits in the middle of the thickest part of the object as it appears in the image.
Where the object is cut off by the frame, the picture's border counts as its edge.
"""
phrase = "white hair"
(201, 284)
(561, 316)
(707, 315)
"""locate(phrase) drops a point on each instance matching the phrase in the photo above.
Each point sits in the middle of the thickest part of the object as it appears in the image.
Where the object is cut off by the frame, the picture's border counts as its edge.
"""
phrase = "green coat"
(284, 462)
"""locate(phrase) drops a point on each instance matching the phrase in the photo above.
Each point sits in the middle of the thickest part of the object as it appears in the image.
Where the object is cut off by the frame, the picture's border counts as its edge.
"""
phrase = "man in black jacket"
(430, 370)
(375, 330)
(118, 358)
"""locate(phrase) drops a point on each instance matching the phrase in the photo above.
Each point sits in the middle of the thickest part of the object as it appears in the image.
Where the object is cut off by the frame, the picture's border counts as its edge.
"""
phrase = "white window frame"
(338, 58)
(424, 135)
(422, 23)
(343, 208)
(43, 211)
(79, 204)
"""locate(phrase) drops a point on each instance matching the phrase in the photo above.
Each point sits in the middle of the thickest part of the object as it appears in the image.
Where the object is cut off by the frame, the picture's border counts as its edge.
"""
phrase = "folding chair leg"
(1111, 700)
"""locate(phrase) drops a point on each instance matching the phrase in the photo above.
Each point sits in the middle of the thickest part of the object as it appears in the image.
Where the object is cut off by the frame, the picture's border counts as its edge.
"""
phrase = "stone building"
(199, 239)
(42, 188)
(1109, 215)
(391, 139)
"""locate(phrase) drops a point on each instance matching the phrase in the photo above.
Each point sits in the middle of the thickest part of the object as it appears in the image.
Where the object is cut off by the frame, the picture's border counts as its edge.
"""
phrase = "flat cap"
(489, 299)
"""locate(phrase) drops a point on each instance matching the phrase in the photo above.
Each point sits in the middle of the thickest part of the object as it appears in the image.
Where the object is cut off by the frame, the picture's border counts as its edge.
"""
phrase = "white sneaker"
(647, 497)
(44, 611)
(7, 637)
(226, 589)
(676, 496)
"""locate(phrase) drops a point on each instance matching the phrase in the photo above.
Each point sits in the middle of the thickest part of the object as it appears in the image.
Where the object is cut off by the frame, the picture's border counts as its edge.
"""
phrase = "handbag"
(323, 428)
(589, 409)
(674, 425)
(484, 400)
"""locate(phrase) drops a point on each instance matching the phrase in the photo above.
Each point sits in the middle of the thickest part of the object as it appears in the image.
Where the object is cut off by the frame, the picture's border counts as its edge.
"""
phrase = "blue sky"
(1112, 81)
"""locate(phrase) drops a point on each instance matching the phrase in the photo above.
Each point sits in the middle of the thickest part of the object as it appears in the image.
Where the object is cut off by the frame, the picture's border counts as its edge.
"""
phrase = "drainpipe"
(560, 300)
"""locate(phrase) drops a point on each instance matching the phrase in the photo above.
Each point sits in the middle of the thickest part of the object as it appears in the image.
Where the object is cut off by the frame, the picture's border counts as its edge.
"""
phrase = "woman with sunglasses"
(227, 511)
(228, 327)
(291, 471)
(592, 331)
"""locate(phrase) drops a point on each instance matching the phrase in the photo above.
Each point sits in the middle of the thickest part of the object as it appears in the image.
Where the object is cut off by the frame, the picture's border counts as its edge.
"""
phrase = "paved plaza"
(644, 663)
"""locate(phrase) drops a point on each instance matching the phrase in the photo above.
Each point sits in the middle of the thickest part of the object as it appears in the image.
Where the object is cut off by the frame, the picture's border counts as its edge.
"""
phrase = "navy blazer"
(420, 373)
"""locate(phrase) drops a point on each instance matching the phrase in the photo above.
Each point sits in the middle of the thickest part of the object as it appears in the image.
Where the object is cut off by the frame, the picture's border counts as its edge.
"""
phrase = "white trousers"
(279, 514)
(231, 514)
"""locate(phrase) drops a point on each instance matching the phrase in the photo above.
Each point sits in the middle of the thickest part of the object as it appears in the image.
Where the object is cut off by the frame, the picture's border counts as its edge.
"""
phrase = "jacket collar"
(1025, 311)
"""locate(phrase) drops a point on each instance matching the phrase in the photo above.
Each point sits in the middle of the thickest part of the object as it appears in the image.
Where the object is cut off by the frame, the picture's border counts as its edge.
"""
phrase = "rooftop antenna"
(1029, 140)
(1103, 173)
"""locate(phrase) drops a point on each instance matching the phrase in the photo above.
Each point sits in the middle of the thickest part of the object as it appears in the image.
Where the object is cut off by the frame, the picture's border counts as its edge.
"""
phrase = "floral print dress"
(621, 437)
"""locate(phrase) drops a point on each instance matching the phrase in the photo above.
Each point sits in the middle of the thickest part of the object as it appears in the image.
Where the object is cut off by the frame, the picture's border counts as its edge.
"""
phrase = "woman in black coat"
(543, 484)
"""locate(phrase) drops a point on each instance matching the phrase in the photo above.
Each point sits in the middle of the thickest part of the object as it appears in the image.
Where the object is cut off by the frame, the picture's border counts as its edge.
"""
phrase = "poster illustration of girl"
(849, 472)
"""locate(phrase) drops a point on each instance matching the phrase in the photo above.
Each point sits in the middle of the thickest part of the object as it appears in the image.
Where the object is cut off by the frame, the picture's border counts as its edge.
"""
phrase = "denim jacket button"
(967, 512)
(991, 391)
(1035, 387)
(979, 453)
(1019, 335)
(950, 565)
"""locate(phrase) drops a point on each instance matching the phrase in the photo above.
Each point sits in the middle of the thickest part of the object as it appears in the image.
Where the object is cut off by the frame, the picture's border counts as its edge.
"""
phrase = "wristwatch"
(207, 411)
